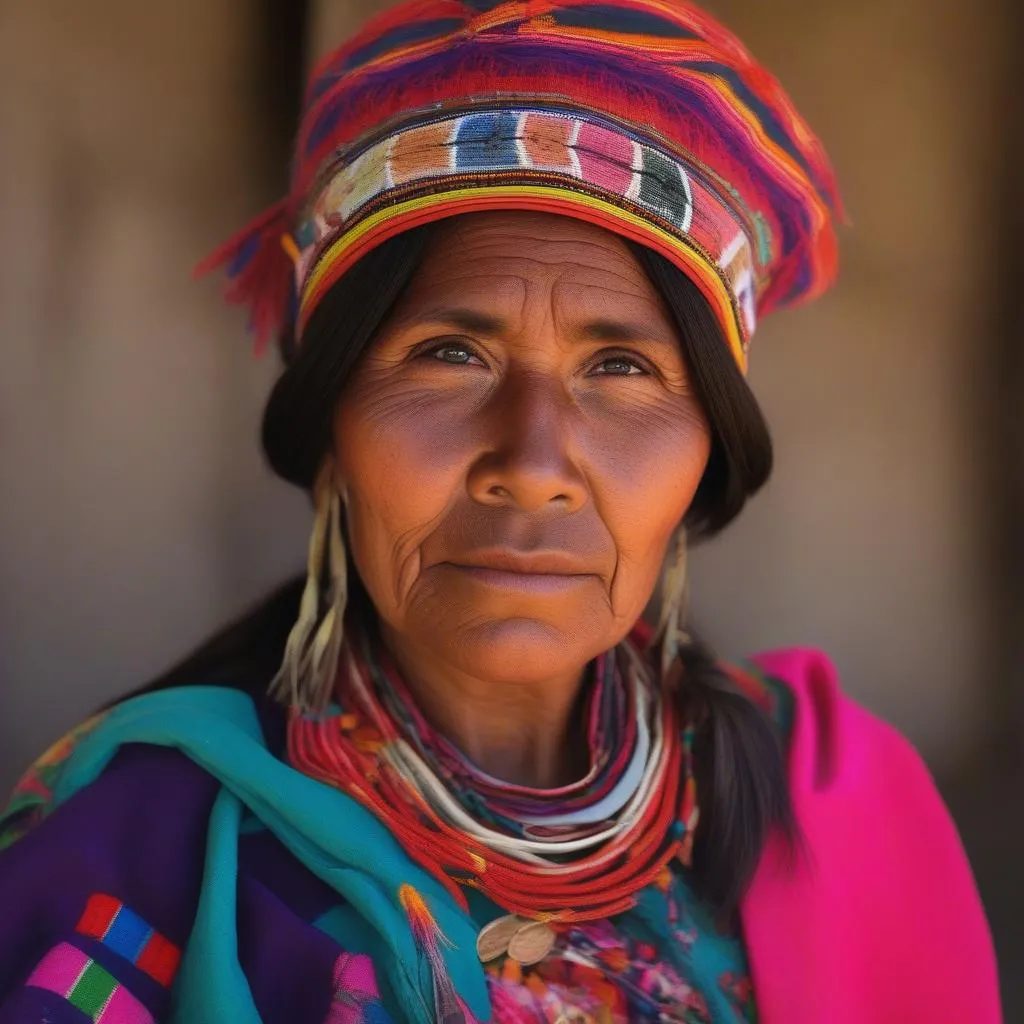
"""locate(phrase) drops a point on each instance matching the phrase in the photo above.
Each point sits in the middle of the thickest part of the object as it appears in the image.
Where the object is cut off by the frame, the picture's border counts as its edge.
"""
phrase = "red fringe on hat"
(259, 272)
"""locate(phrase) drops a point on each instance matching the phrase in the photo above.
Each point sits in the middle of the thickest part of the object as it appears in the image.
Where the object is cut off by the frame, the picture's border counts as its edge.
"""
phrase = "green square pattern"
(93, 990)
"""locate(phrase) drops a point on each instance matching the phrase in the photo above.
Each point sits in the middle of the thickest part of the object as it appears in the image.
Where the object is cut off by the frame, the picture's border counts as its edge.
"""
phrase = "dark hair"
(738, 756)
(738, 753)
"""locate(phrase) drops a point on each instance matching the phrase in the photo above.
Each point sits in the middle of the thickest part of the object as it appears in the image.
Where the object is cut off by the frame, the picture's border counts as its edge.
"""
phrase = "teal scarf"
(333, 836)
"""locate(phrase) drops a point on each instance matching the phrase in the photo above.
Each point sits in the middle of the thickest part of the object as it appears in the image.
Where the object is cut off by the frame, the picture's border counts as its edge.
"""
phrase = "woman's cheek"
(409, 472)
(647, 465)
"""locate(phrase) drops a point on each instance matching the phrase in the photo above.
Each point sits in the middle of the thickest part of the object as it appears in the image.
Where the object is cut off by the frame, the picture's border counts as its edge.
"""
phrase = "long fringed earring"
(675, 593)
(307, 674)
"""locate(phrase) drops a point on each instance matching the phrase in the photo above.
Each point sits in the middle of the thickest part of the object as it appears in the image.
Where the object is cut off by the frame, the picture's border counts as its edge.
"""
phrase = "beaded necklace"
(580, 852)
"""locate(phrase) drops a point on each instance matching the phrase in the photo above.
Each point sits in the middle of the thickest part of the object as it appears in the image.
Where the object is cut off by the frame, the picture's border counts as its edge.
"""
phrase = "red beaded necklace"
(363, 749)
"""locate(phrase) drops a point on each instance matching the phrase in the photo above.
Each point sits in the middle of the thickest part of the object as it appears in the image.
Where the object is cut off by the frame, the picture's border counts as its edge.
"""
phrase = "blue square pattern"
(487, 141)
(128, 935)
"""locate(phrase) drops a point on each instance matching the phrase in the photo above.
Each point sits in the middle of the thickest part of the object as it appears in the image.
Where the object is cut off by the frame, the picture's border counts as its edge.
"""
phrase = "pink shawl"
(878, 920)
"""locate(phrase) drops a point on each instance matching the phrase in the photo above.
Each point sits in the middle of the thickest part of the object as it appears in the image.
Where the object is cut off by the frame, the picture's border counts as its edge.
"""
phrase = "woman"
(514, 284)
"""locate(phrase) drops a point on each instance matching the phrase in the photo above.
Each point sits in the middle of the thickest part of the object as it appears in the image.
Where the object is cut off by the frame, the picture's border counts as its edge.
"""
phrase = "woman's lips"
(523, 582)
(526, 572)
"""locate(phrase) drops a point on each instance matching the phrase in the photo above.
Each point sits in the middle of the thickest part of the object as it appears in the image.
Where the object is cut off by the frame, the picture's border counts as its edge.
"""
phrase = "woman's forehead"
(551, 236)
(506, 256)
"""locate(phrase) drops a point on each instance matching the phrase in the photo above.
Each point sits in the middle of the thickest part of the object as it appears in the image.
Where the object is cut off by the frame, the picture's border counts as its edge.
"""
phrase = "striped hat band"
(558, 160)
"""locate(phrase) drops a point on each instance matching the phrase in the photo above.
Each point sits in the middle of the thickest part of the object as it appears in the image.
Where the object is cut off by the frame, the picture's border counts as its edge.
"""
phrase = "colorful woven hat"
(645, 117)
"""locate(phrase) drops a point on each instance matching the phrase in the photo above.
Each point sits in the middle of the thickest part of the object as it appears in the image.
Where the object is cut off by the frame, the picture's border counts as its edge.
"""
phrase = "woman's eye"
(620, 366)
(454, 354)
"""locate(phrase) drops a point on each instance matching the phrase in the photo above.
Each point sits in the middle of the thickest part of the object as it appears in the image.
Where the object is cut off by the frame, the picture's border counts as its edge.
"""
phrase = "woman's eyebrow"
(606, 329)
(601, 329)
(464, 319)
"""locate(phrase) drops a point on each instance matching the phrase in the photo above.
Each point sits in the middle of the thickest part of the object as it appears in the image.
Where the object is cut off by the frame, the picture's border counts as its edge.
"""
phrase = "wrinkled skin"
(515, 452)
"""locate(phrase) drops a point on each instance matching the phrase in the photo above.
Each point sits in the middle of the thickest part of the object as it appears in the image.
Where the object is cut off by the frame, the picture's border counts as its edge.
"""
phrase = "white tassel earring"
(675, 604)
(307, 674)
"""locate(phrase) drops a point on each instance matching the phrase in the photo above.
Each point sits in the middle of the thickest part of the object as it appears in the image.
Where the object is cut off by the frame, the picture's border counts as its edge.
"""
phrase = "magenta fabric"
(355, 984)
(879, 919)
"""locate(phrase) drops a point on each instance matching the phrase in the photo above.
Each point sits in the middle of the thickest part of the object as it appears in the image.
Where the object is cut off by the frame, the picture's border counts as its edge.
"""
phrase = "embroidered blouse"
(146, 879)
(117, 928)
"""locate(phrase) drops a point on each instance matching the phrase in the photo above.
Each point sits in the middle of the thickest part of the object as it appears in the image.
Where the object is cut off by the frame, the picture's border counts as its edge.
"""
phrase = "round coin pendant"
(494, 938)
(531, 943)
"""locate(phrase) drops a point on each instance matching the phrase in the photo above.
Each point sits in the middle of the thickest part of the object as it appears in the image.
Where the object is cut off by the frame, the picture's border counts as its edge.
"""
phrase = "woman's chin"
(522, 650)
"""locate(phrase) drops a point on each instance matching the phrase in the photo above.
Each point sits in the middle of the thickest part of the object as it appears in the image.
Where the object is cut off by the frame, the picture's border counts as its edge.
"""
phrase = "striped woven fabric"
(122, 931)
(644, 117)
(76, 978)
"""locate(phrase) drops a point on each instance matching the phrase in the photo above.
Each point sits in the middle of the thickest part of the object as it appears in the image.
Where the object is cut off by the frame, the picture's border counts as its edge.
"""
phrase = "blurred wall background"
(136, 514)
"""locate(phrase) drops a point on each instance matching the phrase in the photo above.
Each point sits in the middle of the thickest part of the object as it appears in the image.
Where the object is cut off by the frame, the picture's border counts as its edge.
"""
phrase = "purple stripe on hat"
(769, 122)
(403, 35)
(611, 19)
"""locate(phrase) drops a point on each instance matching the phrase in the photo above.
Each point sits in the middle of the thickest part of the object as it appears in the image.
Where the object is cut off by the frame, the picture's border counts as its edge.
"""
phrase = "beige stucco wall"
(135, 514)
(134, 510)
(869, 540)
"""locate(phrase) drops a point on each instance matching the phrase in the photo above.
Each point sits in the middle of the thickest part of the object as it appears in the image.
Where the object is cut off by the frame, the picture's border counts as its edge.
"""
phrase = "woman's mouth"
(522, 582)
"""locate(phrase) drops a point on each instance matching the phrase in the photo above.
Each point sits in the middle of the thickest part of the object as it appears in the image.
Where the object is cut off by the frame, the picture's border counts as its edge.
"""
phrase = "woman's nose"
(528, 461)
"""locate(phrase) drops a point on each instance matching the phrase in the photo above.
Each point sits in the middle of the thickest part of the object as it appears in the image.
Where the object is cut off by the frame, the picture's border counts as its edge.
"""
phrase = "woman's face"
(518, 446)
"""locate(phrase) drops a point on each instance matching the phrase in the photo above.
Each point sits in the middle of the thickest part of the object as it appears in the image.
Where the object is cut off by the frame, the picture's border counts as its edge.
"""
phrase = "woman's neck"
(528, 734)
